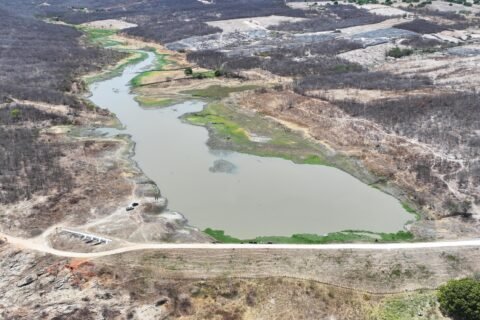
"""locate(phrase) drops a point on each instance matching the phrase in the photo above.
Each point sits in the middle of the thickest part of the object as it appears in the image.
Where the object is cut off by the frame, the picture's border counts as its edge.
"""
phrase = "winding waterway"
(244, 195)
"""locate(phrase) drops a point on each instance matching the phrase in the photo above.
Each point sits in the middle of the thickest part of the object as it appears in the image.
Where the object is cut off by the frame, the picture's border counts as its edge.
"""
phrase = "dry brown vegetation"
(59, 174)
(36, 60)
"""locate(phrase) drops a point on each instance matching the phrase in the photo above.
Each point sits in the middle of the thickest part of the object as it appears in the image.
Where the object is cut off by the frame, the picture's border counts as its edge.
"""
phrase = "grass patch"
(160, 62)
(314, 159)
(222, 125)
(96, 34)
(420, 305)
(218, 92)
(228, 125)
(139, 79)
(347, 236)
(410, 210)
(203, 75)
(400, 236)
(99, 37)
(154, 102)
(220, 236)
(102, 37)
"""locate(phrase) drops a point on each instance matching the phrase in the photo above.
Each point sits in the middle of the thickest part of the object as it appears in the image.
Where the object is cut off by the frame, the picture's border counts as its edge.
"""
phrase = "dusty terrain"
(226, 284)
(109, 24)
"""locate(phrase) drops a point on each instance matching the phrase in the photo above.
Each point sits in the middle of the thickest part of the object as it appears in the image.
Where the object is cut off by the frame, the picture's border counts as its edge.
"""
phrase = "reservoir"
(244, 195)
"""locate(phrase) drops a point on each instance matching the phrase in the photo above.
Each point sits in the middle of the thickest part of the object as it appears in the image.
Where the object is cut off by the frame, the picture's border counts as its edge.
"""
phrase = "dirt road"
(33, 244)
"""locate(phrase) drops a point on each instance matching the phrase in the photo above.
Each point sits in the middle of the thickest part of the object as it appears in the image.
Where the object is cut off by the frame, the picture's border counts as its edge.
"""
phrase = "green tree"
(15, 113)
(188, 71)
(460, 299)
(199, 75)
(398, 52)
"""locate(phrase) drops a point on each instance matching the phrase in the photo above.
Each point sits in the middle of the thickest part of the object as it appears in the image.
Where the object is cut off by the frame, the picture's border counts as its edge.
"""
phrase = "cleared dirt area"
(251, 24)
(109, 24)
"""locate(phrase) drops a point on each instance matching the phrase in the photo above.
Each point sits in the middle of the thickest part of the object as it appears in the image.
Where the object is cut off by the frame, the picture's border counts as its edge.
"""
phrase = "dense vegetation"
(40, 62)
(334, 17)
(161, 30)
(304, 60)
(421, 26)
(36, 60)
(439, 121)
(325, 47)
(28, 163)
(361, 80)
(399, 52)
(159, 20)
(460, 299)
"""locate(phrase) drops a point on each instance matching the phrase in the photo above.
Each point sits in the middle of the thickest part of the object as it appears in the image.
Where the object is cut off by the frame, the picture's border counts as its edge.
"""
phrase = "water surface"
(244, 195)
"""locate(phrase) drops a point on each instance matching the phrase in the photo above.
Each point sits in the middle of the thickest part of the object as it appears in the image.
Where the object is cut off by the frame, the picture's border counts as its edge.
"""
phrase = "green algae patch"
(140, 79)
(99, 37)
(223, 126)
(220, 236)
(410, 210)
(160, 62)
(314, 159)
(103, 38)
(347, 236)
(145, 101)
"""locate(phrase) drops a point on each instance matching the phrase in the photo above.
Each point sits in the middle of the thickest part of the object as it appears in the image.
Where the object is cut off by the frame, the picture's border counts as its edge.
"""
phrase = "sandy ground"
(109, 24)
(369, 56)
(374, 26)
(251, 24)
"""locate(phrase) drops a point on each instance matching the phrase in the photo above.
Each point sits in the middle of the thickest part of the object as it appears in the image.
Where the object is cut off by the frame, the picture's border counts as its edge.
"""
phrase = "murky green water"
(244, 195)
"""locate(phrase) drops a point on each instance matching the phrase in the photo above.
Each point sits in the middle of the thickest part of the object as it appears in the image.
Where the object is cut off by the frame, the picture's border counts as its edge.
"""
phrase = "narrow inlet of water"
(244, 195)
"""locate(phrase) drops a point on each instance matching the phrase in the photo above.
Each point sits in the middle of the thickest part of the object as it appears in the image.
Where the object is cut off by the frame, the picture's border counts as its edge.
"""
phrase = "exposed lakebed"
(245, 195)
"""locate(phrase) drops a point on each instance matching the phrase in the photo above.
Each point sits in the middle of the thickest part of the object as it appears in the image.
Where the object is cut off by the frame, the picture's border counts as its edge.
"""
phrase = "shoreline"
(402, 235)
